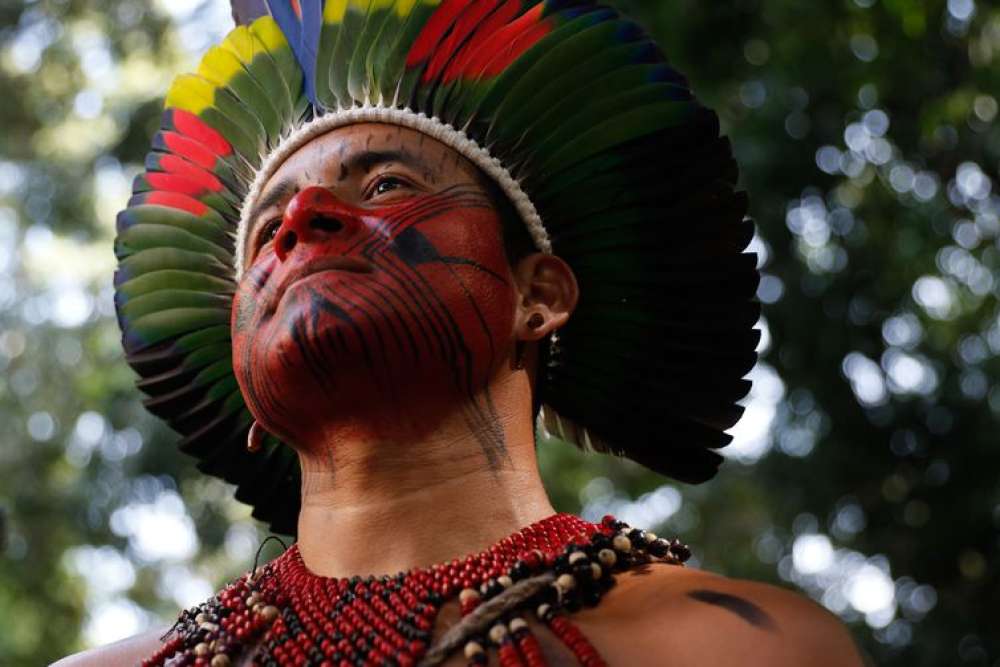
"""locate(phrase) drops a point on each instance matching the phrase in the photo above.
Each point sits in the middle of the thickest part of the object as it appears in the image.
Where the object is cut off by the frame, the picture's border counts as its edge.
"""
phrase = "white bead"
(472, 649)
(468, 595)
(566, 582)
(576, 557)
(497, 633)
(505, 581)
(517, 623)
(543, 611)
(596, 571)
(607, 557)
(622, 543)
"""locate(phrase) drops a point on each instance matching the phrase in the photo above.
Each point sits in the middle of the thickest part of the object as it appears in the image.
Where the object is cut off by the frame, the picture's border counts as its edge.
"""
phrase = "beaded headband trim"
(432, 127)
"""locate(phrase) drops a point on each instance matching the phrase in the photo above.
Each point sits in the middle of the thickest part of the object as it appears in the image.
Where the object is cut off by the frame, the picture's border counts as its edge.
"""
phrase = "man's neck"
(380, 505)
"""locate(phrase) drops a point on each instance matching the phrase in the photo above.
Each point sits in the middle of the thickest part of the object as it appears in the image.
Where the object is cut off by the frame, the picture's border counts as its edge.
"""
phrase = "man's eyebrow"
(368, 160)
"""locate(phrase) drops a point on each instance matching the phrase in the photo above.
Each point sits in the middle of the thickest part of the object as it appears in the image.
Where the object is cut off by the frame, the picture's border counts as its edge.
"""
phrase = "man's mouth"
(321, 265)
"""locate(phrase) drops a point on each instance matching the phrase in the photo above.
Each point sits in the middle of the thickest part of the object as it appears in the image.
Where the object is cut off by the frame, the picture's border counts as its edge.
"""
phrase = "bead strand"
(289, 616)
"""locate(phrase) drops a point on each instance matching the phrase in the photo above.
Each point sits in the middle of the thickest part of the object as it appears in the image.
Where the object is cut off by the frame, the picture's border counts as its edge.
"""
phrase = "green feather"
(171, 279)
(209, 226)
(208, 336)
(578, 141)
(150, 237)
(208, 354)
(159, 259)
(217, 65)
(166, 324)
(223, 368)
(171, 298)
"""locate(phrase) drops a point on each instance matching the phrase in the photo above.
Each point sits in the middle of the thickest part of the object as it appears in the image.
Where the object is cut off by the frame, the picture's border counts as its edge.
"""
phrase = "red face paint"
(350, 308)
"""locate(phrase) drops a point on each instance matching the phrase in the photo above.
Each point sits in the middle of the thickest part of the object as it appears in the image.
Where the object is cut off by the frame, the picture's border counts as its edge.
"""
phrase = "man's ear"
(548, 295)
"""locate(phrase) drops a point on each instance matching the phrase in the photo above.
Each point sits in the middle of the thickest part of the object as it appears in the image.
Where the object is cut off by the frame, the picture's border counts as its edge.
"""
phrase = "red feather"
(460, 64)
(174, 164)
(434, 31)
(462, 28)
(170, 200)
(192, 126)
(501, 48)
(187, 148)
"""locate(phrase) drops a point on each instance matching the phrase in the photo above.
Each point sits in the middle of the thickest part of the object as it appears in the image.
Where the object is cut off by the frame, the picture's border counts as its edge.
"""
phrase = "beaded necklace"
(283, 614)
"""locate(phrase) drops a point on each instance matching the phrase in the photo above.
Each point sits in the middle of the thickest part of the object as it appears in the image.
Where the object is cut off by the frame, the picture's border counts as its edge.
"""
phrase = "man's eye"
(269, 231)
(387, 184)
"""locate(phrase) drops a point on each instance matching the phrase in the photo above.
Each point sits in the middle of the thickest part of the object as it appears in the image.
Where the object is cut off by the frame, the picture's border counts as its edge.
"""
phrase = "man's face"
(375, 273)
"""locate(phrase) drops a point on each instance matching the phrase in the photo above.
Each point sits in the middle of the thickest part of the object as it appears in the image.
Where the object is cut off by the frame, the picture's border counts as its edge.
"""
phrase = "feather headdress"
(569, 106)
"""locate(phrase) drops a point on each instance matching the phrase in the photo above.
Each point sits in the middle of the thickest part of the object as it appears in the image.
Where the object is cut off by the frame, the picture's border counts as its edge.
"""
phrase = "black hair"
(517, 242)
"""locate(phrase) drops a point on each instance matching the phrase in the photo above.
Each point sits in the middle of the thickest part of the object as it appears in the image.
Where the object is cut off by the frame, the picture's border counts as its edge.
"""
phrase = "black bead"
(519, 571)
(601, 541)
(591, 597)
(581, 571)
(658, 548)
(493, 588)
(680, 551)
(561, 564)
(637, 537)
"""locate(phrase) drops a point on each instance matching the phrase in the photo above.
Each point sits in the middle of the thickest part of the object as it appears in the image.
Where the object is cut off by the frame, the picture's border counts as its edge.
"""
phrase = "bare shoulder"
(663, 614)
(127, 652)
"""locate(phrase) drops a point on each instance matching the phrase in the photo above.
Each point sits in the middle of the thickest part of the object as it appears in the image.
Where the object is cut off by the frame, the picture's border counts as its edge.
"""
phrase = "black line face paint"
(743, 608)
(378, 287)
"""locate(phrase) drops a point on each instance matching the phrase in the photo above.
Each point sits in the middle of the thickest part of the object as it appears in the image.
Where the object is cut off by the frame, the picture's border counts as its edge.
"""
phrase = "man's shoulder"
(696, 617)
(128, 652)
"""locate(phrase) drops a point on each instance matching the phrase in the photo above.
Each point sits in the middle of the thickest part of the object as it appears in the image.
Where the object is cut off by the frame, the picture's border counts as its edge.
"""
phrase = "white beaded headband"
(432, 127)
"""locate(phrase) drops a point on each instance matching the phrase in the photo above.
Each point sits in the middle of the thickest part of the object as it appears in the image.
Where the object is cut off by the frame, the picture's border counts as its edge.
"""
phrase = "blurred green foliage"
(865, 474)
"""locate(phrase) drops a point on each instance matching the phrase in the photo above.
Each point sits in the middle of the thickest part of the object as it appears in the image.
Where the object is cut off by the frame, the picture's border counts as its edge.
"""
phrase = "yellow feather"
(267, 30)
(220, 66)
(240, 43)
(334, 11)
(192, 93)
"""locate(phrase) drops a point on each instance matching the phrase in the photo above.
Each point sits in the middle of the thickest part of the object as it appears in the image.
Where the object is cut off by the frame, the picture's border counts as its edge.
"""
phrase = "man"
(403, 297)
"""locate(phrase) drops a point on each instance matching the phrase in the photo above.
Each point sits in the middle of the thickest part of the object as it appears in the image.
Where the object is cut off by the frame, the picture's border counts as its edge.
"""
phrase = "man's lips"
(309, 268)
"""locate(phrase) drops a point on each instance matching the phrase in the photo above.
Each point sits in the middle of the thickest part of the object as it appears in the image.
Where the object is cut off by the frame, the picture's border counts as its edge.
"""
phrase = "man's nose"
(314, 215)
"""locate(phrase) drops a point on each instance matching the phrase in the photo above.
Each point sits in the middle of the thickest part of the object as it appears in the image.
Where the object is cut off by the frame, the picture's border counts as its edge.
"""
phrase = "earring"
(536, 321)
(255, 438)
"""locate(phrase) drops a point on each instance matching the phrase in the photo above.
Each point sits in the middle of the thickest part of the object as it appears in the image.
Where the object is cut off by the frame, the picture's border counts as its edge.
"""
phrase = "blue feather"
(302, 33)
(312, 24)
